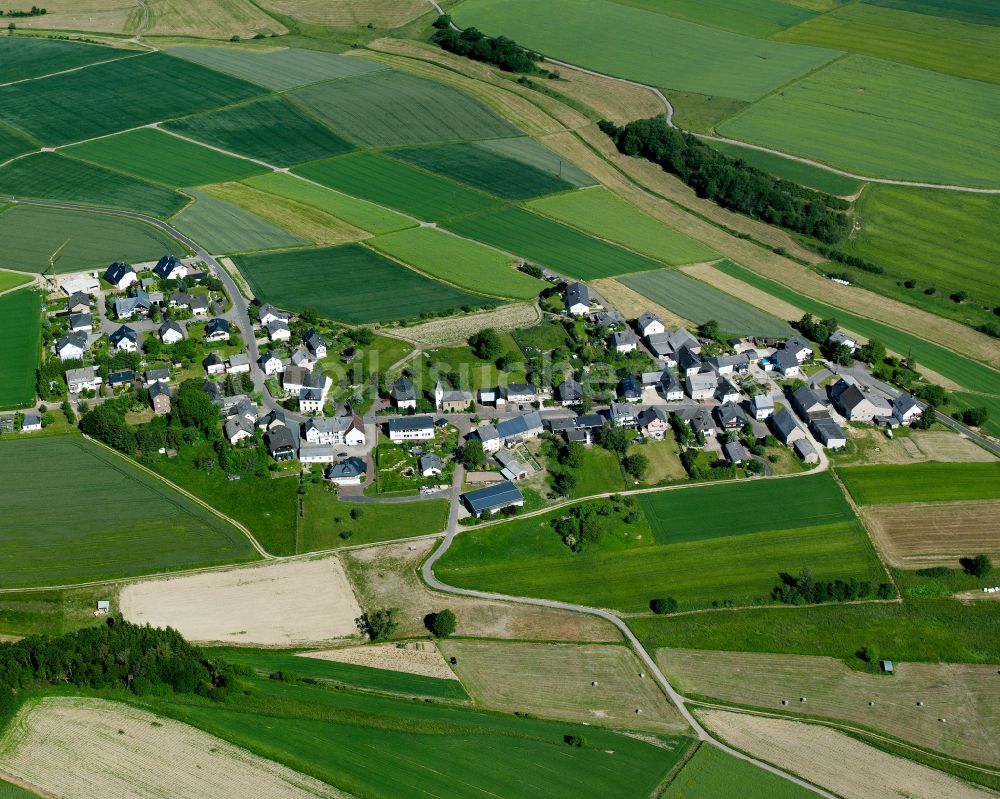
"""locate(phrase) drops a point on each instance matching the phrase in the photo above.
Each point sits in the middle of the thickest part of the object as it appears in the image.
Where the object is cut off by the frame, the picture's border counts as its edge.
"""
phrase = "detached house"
(730, 416)
(159, 397)
(80, 323)
(126, 307)
(840, 337)
(735, 452)
(124, 339)
(403, 394)
(859, 406)
(577, 299)
(199, 304)
(727, 391)
(238, 428)
(79, 302)
(430, 465)
(521, 393)
(316, 344)
(171, 332)
(170, 268)
(762, 406)
(281, 443)
(670, 387)
(278, 330)
(71, 346)
(787, 363)
(270, 363)
(120, 275)
(348, 430)
(687, 362)
(488, 437)
(348, 472)
(630, 388)
(85, 378)
(213, 364)
(238, 363)
(653, 423)
(808, 404)
(411, 428)
(622, 414)
(569, 392)
(217, 330)
(799, 347)
(649, 324)
(268, 313)
(907, 409)
(624, 341)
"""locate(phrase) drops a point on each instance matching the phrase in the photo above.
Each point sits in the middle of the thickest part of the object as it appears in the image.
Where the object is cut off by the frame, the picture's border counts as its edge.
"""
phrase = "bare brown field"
(967, 696)
(278, 604)
(920, 534)
(939, 445)
(596, 684)
(441, 332)
(302, 220)
(384, 14)
(631, 303)
(835, 761)
(81, 748)
(413, 657)
(612, 99)
(386, 576)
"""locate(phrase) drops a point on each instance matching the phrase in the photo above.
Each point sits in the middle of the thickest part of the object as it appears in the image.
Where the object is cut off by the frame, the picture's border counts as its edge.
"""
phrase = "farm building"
(511, 468)
(806, 451)
(786, 428)
(493, 498)
(809, 404)
(830, 434)
(411, 428)
(316, 453)
(520, 428)
(886, 666)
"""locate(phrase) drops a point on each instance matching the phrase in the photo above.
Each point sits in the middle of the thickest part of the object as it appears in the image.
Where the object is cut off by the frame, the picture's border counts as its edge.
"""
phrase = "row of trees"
(804, 590)
(502, 52)
(732, 183)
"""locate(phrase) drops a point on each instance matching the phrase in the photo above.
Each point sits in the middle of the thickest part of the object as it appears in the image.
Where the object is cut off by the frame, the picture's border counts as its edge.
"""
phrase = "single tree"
(979, 566)
(380, 624)
(441, 624)
(473, 454)
(664, 605)
(636, 465)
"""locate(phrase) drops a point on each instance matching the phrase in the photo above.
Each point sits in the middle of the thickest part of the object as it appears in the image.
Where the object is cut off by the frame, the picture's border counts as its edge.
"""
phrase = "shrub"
(574, 740)
(979, 566)
(663, 606)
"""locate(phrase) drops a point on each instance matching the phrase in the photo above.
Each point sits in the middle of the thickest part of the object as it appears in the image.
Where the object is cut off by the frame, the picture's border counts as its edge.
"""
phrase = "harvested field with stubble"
(966, 695)
(386, 576)
(819, 755)
(414, 657)
(921, 534)
(80, 748)
(279, 604)
(351, 13)
(595, 684)
(439, 332)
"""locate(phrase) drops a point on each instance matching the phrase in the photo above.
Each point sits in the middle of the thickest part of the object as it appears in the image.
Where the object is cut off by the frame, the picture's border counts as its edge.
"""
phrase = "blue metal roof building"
(491, 498)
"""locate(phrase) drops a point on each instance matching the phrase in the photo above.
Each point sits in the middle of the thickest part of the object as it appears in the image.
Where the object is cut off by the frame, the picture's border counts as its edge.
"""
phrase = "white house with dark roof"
(270, 364)
(170, 267)
(624, 341)
(71, 346)
(238, 428)
(78, 302)
(488, 437)
(238, 363)
(727, 391)
(569, 392)
(199, 304)
(840, 337)
(701, 385)
(521, 393)
(735, 452)
(350, 471)
(124, 339)
(278, 330)
(623, 414)
(670, 387)
(907, 409)
(577, 299)
(267, 313)
(120, 275)
(213, 364)
(171, 332)
(347, 430)
(315, 343)
(649, 324)
(688, 362)
(762, 406)
(786, 362)
(430, 465)
(217, 330)
(403, 394)
(157, 376)
(86, 378)
(31, 423)
(799, 347)
(411, 428)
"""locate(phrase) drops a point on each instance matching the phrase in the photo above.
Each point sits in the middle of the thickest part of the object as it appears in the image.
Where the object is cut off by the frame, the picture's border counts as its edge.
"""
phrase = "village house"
(735, 452)
(622, 414)
(238, 428)
(268, 313)
(907, 410)
(81, 323)
(727, 391)
(71, 346)
(79, 302)
(315, 343)
(293, 379)
(312, 396)
(701, 385)
(762, 406)
(698, 419)
(303, 358)
(217, 330)
(350, 471)
(213, 364)
(171, 332)
(315, 453)
(809, 404)
(569, 392)
(31, 423)
(180, 300)
(649, 324)
(403, 394)
(170, 268)
(786, 363)
(199, 304)
(238, 363)
(492, 396)
(786, 428)
(124, 339)
(451, 401)
(278, 330)
(577, 299)
(270, 364)
(653, 423)
(688, 363)
(607, 319)
(519, 428)
(126, 307)
(273, 418)
(120, 379)
(624, 341)
(120, 275)
(521, 393)
(159, 398)
(857, 405)
(86, 378)
(347, 430)
(430, 465)
(730, 416)
(244, 407)
(670, 387)
(830, 434)
(493, 498)
(157, 376)
(488, 437)
(411, 428)
(840, 337)
(281, 443)
(799, 347)
(630, 389)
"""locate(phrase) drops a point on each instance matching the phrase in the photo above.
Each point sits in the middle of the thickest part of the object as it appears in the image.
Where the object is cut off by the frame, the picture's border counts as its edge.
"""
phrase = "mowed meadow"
(20, 340)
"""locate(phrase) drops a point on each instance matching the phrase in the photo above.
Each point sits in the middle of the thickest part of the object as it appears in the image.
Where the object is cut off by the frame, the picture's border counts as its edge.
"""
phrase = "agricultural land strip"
(921, 482)
(712, 773)
(416, 657)
(760, 18)
(12, 280)
(532, 153)
(20, 340)
(796, 171)
(221, 227)
(22, 58)
(326, 521)
(12, 143)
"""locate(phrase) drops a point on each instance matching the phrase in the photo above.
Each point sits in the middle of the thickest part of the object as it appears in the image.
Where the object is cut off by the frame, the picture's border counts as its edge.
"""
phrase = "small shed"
(103, 607)
(886, 666)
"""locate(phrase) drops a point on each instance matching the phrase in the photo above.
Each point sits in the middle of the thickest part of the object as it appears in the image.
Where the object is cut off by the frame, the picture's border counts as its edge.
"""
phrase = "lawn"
(279, 70)
(272, 130)
(598, 473)
(221, 227)
(884, 119)
(361, 214)
(601, 213)
(560, 248)
(474, 165)
(20, 340)
(123, 522)
(31, 234)
(379, 747)
(786, 169)
(944, 45)
(390, 108)
(646, 46)
(706, 512)
(712, 773)
(397, 185)
(963, 371)
(380, 289)
(11, 142)
(760, 18)
(963, 400)
(922, 482)
(664, 461)
(123, 94)
(473, 372)
(459, 261)
(326, 522)
(700, 302)
(50, 176)
(23, 57)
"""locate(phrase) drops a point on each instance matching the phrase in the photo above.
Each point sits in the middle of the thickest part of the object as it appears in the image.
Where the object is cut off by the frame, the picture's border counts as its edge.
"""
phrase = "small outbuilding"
(886, 666)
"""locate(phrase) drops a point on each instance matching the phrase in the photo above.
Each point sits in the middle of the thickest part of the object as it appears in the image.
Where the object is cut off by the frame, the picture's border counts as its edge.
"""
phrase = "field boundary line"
(76, 69)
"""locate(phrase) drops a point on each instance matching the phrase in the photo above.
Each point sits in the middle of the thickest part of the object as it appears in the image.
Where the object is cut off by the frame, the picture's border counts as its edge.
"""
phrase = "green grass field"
(278, 70)
(526, 150)
(922, 482)
(162, 158)
(965, 10)
(459, 261)
(601, 213)
(651, 48)
(50, 176)
(544, 241)
(10, 280)
(360, 213)
(803, 174)
(222, 227)
(31, 234)
(944, 45)
(272, 130)
(700, 302)
(484, 169)
(709, 512)
(10, 791)
(712, 773)
(379, 289)
(22, 57)
(597, 473)
(397, 185)
(963, 400)
(326, 522)
(20, 339)
(883, 119)
(391, 108)
(121, 522)
(123, 94)
(12, 143)
(760, 18)
(962, 370)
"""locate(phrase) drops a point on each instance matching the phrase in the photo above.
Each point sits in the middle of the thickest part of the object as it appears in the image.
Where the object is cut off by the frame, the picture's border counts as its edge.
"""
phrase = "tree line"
(500, 51)
(732, 183)
(805, 590)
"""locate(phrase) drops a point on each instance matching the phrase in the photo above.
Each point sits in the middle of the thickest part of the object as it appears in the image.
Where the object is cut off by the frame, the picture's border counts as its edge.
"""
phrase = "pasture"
(760, 18)
(125, 522)
(819, 754)
(835, 691)
(484, 169)
(661, 51)
(222, 228)
(12, 142)
(607, 216)
(359, 213)
(326, 521)
(20, 340)
(272, 130)
(921, 482)
(871, 117)
(963, 400)
(129, 93)
(159, 157)
(549, 243)
(278, 604)
(700, 302)
(944, 45)
(459, 261)
(390, 108)
(396, 185)
(712, 773)
(381, 290)
(50, 176)
(597, 684)
(786, 169)
(278, 70)
(22, 57)
(31, 234)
